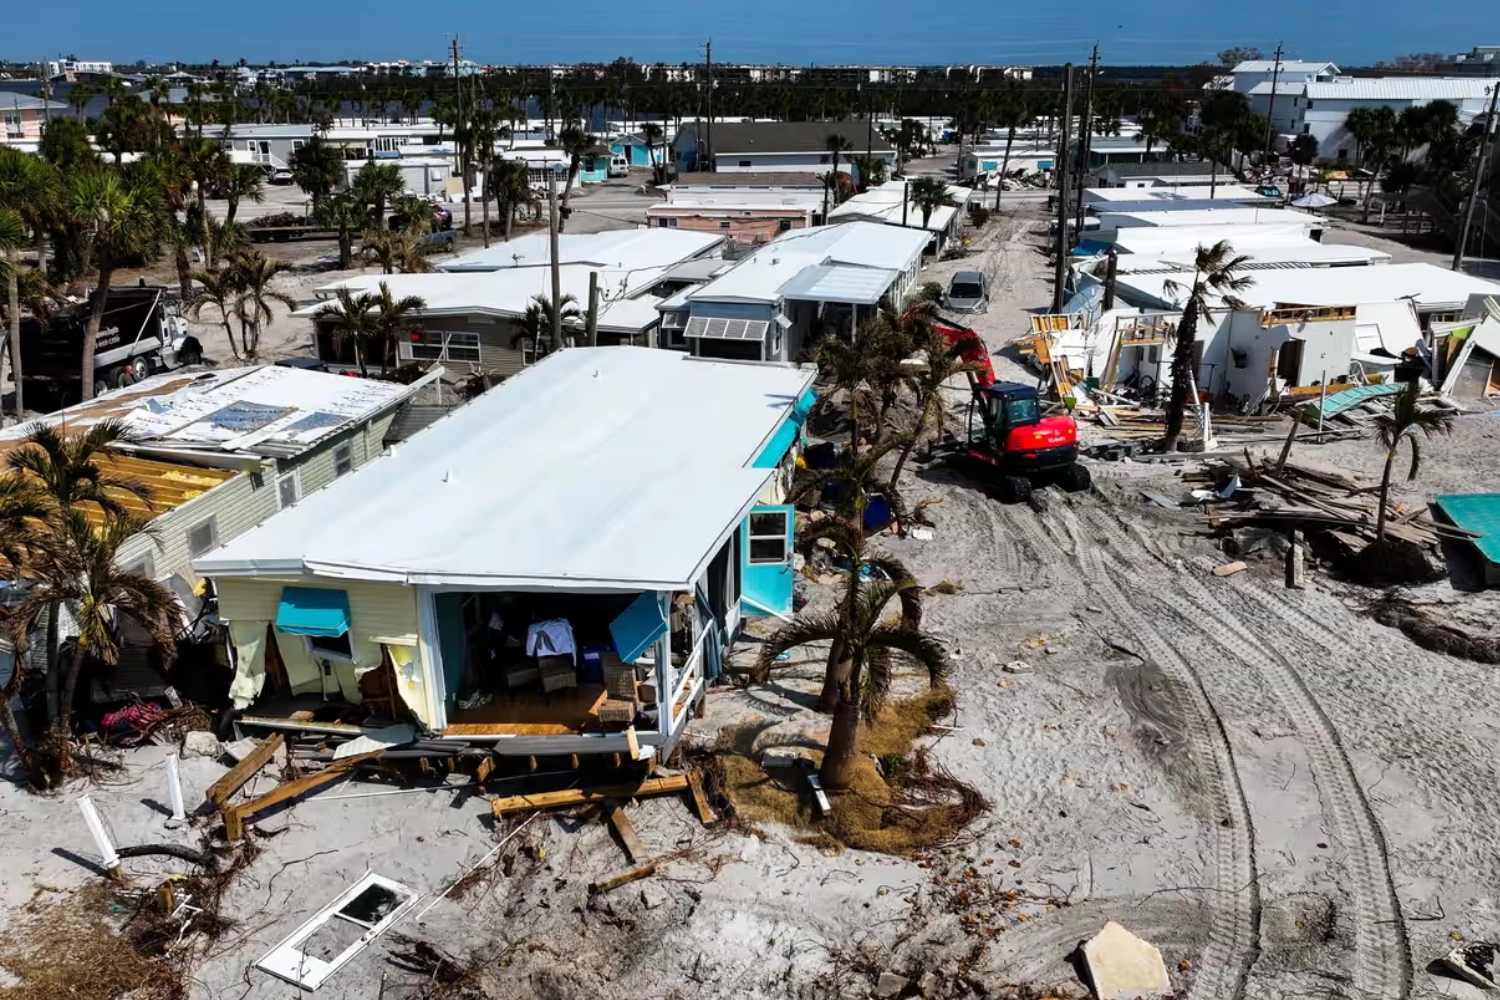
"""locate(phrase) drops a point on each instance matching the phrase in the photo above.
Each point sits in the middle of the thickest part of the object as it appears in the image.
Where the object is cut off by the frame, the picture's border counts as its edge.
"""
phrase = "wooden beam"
(623, 878)
(583, 796)
(234, 779)
(700, 801)
(635, 851)
(235, 816)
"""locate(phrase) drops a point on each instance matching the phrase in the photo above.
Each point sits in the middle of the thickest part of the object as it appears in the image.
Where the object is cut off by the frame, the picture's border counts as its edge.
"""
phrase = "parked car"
(280, 175)
(619, 166)
(968, 292)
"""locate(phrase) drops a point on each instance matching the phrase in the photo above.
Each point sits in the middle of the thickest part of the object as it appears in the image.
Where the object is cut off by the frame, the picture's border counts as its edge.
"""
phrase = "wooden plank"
(235, 816)
(635, 851)
(234, 779)
(581, 796)
(1229, 569)
(623, 878)
(705, 812)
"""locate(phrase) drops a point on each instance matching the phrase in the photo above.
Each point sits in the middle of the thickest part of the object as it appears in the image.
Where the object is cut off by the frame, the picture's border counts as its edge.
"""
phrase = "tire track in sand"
(1381, 962)
(1234, 907)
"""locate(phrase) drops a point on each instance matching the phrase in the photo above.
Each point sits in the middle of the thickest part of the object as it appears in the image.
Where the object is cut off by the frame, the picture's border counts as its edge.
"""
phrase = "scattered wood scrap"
(234, 779)
(611, 882)
(235, 815)
(635, 851)
(582, 796)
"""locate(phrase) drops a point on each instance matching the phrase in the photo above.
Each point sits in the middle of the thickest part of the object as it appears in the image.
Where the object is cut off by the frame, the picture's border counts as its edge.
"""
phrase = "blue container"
(593, 661)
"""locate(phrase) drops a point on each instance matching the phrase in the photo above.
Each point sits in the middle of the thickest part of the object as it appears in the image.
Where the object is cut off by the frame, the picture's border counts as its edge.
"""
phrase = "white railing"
(684, 687)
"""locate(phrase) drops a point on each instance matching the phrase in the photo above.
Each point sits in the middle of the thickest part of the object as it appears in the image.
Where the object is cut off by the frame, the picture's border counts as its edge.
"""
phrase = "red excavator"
(1012, 445)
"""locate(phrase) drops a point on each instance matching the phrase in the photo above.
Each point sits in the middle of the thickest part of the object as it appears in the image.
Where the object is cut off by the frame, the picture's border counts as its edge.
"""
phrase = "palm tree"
(208, 164)
(245, 182)
(929, 194)
(863, 640)
(253, 303)
(349, 315)
(219, 289)
(653, 133)
(391, 318)
(836, 145)
(536, 325)
(82, 571)
(576, 143)
(29, 192)
(872, 169)
(1402, 422)
(1010, 115)
(1215, 277)
(317, 168)
(67, 473)
(511, 181)
(485, 129)
(348, 215)
(376, 184)
(21, 507)
(845, 367)
(117, 221)
(945, 362)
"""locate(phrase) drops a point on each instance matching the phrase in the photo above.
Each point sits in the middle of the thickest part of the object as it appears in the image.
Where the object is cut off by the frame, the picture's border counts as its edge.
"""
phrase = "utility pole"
(1086, 136)
(1060, 266)
(1271, 107)
(1484, 155)
(708, 63)
(556, 271)
(460, 131)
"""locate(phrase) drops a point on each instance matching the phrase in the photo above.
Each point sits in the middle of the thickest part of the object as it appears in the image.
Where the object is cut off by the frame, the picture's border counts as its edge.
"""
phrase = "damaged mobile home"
(556, 568)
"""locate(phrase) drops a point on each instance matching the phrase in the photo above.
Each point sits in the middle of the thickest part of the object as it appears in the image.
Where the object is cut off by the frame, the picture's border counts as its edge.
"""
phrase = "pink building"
(744, 223)
(22, 115)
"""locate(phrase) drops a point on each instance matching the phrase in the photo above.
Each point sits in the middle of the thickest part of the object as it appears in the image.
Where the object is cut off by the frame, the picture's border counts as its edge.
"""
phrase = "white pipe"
(174, 791)
(107, 854)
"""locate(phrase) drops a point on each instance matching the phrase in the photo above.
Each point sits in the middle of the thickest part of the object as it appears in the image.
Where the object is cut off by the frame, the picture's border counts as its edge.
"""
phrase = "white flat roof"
(1181, 192)
(504, 294)
(1174, 239)
(760, 276)
(622, 249)
(1304, 252)
(1428, 286)
(261, 410)
(607, 468)
(1207, 217)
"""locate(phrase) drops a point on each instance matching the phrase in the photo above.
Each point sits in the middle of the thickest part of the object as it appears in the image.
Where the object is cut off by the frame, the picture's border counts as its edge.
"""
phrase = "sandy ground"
(1286, 798)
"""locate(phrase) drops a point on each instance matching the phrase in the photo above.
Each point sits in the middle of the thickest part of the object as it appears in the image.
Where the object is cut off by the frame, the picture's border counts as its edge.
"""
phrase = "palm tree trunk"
(484, 204)
(91, 327)
(1385, 491)
(834, 675)
(359, 358)
(906, 449)
(837, 771)
(229, 334)
(1182, 366)
(208, 235)
(184, 272)
(13, 305)
(510, 218)
(13, 733)
(1004, 166)
(70, 688)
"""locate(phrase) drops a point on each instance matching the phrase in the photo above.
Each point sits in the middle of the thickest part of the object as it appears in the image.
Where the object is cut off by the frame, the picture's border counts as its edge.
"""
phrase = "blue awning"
(770, 456)
(305, 611)
(638, 627)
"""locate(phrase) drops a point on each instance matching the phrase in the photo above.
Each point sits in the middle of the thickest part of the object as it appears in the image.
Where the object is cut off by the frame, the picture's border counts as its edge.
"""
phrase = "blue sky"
(793, 31)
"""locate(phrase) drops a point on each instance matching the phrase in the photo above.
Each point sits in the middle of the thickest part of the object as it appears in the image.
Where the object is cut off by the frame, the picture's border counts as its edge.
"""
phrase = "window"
(343, 459)
(437, 345)
(784, 225)
(287, 489)
(724, 224)
(203, 536)
(768, 541)
(1343, 154)
(746, 164)
(1306, 129)
(13, 128)
(1309, 104)
(298, 144)
(144, 566)
(823, 159)
(336, 647)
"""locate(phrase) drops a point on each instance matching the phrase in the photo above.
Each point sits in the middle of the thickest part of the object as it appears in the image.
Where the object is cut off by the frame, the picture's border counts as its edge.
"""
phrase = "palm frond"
(806, 629)
(925, 649)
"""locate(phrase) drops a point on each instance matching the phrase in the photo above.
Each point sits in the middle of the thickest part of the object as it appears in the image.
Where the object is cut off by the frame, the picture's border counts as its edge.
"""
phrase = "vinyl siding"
(237, 505)
(376, 610)
(496, 356)
(315, 468)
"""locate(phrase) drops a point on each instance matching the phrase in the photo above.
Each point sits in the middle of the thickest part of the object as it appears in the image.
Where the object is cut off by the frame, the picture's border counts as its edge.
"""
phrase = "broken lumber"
(235, 816)
(582, 796)
(705, 812)
(635, 851)
(623, 878)
(234, 779)
(1229, 569)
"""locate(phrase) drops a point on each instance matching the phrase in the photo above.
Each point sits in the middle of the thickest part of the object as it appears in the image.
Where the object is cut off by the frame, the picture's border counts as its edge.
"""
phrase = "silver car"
(968, 292)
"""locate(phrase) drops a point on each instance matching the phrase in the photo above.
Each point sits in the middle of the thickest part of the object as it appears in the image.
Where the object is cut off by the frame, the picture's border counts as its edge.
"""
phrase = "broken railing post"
(174, 793)
(1295, 560)
(107, 855)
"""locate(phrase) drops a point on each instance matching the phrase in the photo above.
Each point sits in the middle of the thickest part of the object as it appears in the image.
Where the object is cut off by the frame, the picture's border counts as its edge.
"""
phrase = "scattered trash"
(201, 744)
(922, 534)
(889, 985)
(374, 903)
(978, 742)
(1121, 966)
(1229, 569)
(1017, 667)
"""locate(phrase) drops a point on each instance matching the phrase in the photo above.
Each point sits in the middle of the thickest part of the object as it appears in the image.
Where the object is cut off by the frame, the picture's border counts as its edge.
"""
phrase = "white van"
(619, 166)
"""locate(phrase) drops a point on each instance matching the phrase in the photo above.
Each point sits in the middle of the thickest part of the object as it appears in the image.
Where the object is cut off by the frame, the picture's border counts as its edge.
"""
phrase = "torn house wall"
(1473, 371)
(379, 615)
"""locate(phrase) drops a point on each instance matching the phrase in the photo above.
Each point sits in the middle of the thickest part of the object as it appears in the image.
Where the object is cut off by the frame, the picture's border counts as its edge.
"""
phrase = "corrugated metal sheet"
(1402, 88)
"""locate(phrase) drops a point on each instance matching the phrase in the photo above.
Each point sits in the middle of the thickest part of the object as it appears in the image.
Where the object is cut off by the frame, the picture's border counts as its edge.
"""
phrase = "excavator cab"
(1009, 405)
(1010, 437)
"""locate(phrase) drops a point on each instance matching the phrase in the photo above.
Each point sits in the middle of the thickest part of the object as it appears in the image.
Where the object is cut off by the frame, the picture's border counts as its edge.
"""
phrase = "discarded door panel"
(373, 903)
